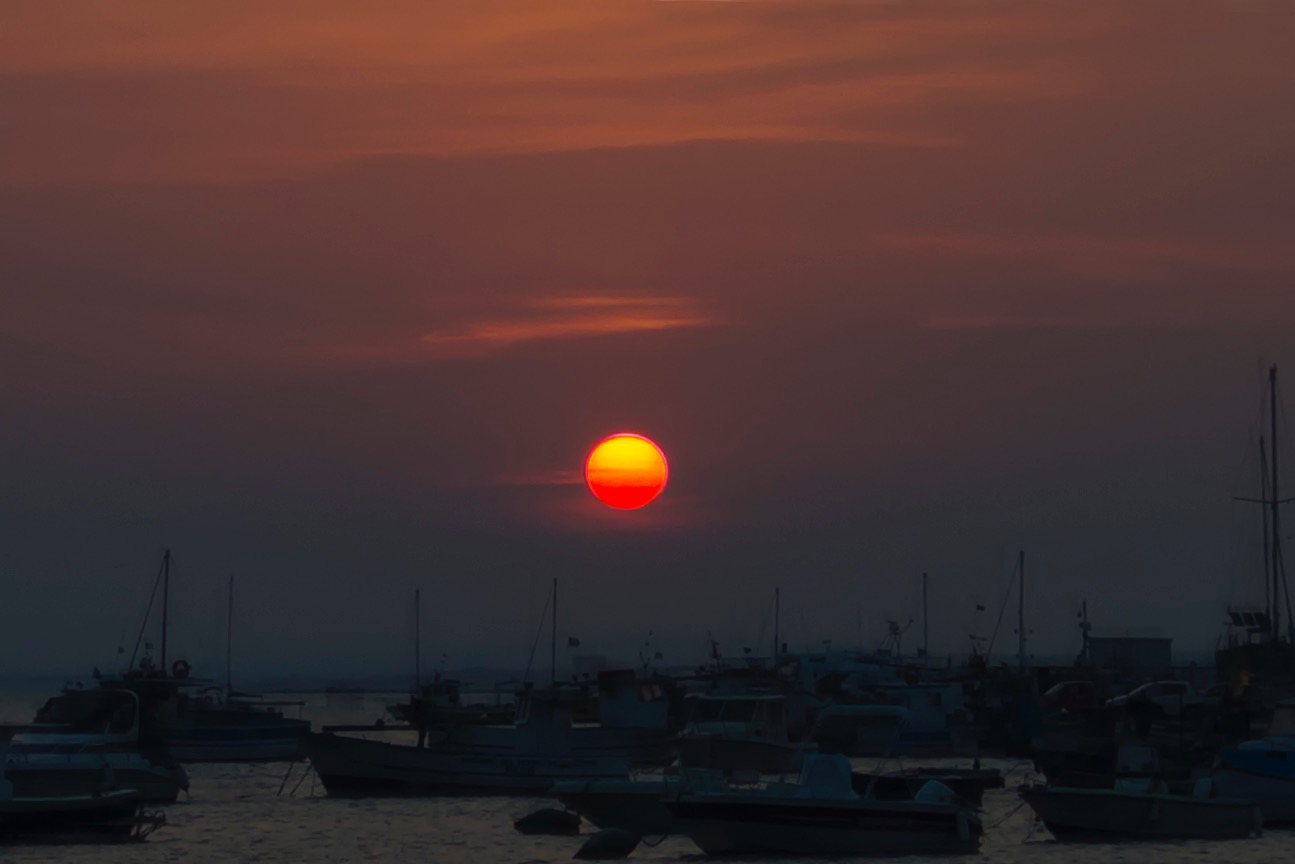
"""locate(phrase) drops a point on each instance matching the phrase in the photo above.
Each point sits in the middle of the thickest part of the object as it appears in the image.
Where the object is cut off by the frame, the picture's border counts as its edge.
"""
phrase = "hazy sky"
(335, 297)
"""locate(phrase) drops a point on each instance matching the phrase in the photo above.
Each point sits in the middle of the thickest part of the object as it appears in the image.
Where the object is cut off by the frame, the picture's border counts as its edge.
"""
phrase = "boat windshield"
(730, 711)
(92, 712)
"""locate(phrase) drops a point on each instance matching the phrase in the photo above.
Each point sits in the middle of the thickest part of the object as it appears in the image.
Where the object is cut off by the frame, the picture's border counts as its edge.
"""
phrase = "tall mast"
(166, 600)
(777, 608)
(229, 642)
(553, 647)
(1020, 612)
(418, 653)
(926, 645)
(1275, 500)
(1265, 494)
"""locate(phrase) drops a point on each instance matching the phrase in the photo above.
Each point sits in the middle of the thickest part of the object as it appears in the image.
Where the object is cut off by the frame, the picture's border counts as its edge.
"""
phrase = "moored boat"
(740, 733)
(823, 814)
(357, 767)
(104, 817)
(87, 741)
(1263, 770)
(1131, 813)
(205, 725)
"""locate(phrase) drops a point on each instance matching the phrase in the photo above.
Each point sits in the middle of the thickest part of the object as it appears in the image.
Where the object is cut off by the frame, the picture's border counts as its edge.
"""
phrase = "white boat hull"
(1274, 795)
(57, 774)
(1106, 814)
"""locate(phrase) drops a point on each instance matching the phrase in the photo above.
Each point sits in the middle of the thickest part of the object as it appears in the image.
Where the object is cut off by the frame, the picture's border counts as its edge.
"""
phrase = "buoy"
(549, 821)
(608, 844)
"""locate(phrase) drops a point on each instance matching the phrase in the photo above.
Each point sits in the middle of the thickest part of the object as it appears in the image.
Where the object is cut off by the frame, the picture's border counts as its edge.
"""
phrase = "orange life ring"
(180, 668)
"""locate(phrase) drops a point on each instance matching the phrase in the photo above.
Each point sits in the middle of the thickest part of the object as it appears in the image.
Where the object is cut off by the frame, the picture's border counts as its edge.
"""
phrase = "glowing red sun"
(626, 471)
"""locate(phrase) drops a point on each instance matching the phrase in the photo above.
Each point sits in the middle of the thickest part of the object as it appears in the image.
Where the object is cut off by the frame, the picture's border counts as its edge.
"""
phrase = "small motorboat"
(824, 814)
(1141, 807)
(92, 741)
(1263, 770)
(106, 817)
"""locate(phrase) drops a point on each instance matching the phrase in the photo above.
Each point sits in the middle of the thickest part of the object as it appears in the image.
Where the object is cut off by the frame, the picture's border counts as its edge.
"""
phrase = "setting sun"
(626, 471)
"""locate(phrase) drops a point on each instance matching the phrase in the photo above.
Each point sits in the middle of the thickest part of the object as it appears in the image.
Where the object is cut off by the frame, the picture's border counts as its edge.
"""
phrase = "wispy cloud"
(555, 477)
(1004, 322)
(1105, 259)
(571, 317)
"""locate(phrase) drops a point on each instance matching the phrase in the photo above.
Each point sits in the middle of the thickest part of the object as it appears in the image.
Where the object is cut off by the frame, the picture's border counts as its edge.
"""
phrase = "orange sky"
(916, 266)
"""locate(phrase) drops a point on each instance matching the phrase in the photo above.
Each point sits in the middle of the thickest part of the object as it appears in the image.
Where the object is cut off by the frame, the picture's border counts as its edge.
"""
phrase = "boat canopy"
(826, 776)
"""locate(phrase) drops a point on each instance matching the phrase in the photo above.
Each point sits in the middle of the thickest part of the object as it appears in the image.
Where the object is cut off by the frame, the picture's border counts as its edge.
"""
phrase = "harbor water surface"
(279, 813)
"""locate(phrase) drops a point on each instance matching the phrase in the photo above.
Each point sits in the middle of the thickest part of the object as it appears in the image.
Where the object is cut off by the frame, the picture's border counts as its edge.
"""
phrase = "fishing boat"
(638, 804)
(1258, 656)
(93, 741)
(918, 719)
(358, 767)
(739, 732)
(1141, 813)
(1263, 771)
(440, 703)
(104, 817)
(1138, 806)
(824, 814)
(198, 720)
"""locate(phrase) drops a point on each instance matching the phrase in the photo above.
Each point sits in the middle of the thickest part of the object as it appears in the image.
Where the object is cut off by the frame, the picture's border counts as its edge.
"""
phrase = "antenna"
(418, 651)
(152, 595)
(229, 643)
(1275, 502)
(166, 600)
(926, 645)
(1020, 612)
(553, 647)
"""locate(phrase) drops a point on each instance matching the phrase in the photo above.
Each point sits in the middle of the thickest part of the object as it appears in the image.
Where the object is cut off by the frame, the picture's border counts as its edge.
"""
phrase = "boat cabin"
(751, 715)
(628, 701)
(83, 716)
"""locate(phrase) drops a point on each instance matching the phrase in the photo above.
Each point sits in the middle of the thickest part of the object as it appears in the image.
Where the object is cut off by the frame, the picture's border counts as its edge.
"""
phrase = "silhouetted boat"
(1263, 771)
(357, 767)
(199, 722)
(87, 741)
(103, 817)
(200, 725)
(824, 814)
(1140, 813)
(1138, 806)
(739, 733)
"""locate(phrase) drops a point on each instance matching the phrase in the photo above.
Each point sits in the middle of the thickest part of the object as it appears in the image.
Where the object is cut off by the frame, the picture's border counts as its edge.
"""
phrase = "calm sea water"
(236, 813)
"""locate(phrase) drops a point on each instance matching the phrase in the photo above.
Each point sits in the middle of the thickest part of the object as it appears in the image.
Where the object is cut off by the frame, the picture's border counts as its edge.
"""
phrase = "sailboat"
(202, 722)
(1259, 654)
(1263, 665)
(541, 747)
